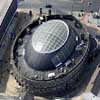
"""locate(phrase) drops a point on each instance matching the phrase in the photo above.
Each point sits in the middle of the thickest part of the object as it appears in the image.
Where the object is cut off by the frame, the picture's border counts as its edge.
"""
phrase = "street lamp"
(72, 7)
(48, 6)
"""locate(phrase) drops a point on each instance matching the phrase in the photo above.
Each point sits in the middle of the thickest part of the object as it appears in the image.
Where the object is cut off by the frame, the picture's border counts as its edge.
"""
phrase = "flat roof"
(4, 6)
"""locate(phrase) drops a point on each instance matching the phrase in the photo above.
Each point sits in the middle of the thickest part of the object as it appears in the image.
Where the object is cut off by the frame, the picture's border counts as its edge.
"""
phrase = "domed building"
(49, 55)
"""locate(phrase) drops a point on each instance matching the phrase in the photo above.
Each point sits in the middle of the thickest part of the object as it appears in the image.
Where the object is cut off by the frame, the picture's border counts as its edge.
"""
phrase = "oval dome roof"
(50, 36)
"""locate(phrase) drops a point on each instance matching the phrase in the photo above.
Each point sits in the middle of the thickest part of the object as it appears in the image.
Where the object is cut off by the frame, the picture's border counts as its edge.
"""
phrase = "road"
(61, 6)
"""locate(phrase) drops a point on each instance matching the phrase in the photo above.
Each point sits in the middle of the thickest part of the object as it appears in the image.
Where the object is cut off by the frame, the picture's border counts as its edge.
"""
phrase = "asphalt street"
(62, 6)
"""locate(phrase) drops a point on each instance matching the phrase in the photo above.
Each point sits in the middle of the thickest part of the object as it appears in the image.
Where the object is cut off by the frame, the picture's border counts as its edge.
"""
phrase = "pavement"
(89, 21)
(62, 6)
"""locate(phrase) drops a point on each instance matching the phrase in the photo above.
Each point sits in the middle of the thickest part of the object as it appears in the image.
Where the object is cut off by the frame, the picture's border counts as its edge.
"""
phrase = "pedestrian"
(40, 11)
(13, 35)
(30, 13)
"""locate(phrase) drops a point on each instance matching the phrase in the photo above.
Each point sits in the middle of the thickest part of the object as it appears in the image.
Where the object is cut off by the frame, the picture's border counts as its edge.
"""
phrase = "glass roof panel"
(50, 36)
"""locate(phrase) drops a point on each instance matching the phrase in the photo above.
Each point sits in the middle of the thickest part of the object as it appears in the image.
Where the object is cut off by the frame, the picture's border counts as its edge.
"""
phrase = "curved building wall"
(66, 83)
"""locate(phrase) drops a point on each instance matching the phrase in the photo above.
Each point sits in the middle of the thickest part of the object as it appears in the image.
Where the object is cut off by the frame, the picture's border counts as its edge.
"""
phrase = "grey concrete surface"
(61, 6)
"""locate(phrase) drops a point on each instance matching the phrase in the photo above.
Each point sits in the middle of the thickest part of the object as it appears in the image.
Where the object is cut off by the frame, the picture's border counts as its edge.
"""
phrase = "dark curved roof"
(49, 59)
(51, 44)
